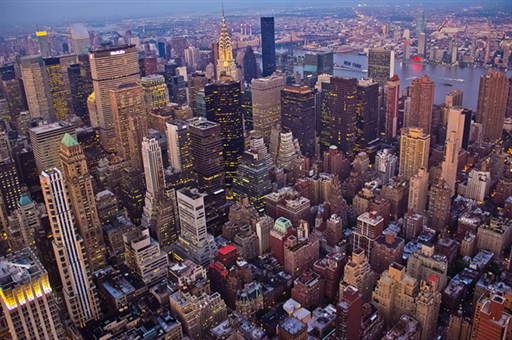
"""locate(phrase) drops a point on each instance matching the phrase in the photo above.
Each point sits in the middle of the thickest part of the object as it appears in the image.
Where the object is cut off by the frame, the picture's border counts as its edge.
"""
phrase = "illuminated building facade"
(180, 145)
(367, 111)
(344, 114)
(14, 95)
(83, 202)
(268, 46)
(57, 88)
(225, 64)
(79, 292)
(324, 87)
(110, 68)
(37, 91)
(27, 299)
(381, 65)
(298, 115)
(81, 88)
(414, 151)
(130, 121)
(223, 106)
(266, 104)
(155, 91)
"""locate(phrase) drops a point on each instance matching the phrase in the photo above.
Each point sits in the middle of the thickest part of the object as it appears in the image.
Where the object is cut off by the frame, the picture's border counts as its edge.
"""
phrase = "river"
(408, 71)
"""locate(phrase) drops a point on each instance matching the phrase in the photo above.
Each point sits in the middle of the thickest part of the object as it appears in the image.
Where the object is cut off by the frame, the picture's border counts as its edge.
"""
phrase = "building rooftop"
(42, 128)
(292, 325)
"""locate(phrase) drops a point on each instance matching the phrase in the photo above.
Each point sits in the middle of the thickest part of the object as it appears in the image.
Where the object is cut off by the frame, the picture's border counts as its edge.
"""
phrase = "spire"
(223, 20)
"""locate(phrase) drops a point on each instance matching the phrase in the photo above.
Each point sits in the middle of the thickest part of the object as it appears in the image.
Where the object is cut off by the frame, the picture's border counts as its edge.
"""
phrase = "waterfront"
(408, 71)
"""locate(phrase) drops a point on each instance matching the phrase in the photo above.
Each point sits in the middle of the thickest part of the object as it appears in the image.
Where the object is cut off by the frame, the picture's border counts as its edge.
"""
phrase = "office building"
(418, 185)
(46, 140)
(144, 257)
(424, 263)
(107, 76)
(80, 38)
(194, 241)
(323, 86)
(385, 164)
(367, 110)
(414, 151)
(37, 90)
(420, 22)
(422, 101)
(439, 206)
(180, 149)
(155, 91)
(268, 46)
(381, 65)
(298, 115)
(15, 99)
(392, 106)
(225, 63)
(343, 105)
(492, 104)
(81, 88)
(44, 46)
(196, 83)
(359, 275)
(316, 64)
(395, 294)
(250, 67)
(79, 292)
(422, 45)
(57, 86)
(266, 104)
(28, 302)
(129, 112)
(491, 322)
(369, 229)
(10, 188)
(252, 179)
(82, 199)
(223, 106)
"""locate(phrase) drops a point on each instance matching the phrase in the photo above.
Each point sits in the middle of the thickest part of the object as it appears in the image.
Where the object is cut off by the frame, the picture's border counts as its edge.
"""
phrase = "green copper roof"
(282, 224)
(68, 140)
(24, 199)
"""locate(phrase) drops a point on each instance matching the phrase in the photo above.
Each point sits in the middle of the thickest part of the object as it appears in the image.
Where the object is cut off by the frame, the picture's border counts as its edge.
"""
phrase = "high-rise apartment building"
(194, 241)
(392, 106)
(252, 179)
(110, 68)
(343, 105)
(348, 314)
(57, 87)
(385, 164)
(381, 65)
(83, 202)
(414, 151)
(454, 98)
(27, 299)
(298, 115)
(418, 185)
(223, 106)
(422, 101)
(80, 38)
(451, 160)
(459, 121)
(428, 302)
(367, 129)
(492, 104)
(46, 140)
(424, 263)
(266, 104)
(388, 248)
(358, 274)
(37, 90)
(129, 112)
(439, 206)
(225, 63)
(395, 294)
(300, 254)
(369, 229)
(80, 294)
(268, 46)
(491, 322)
(155, 91)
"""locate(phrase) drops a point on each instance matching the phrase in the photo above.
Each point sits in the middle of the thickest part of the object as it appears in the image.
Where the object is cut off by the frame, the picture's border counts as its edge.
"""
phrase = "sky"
(46, 12)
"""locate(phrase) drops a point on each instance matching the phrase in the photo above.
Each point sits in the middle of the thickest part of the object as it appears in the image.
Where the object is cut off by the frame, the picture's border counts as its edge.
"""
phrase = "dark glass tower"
(80, 83)
(298, 115)
(325, 116)
(224, 106)
(247, 109)
(250, 68)
(268, 46)
(367, 113)
(252, 179)
(344, 114)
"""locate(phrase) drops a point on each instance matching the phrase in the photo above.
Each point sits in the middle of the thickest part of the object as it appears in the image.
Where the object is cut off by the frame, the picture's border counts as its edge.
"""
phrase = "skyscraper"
(57, 87)
(358, 274)
(491, 320)
(367, 109)
(422, 45)
(492, 104)
(37, 90)
(381, 65)
(44, 46)
(25, 287)
(324, 108)
(155, 91)
(368, 230)
(459, 121)
(80, 82)
(418, 191)
(196, 82)
(252, 179)
(439, 206)
(451, 160)
(130, 121)
(414, 151)
(13, 93)
(420, 22)
(348, 314)
(454, 98)
(250, 66)
(80, 37)
(266, 104)
(180, 144)
(422, 101)
(223, 106)
(82, 199)
(110, 68)
(343, 105)
(225, 64)
(80, 294)
(392, 106)
(298, 115)
(268, 46)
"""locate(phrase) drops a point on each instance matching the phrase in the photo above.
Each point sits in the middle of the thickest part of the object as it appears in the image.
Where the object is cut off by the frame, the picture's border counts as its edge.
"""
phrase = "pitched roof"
(68, 140)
